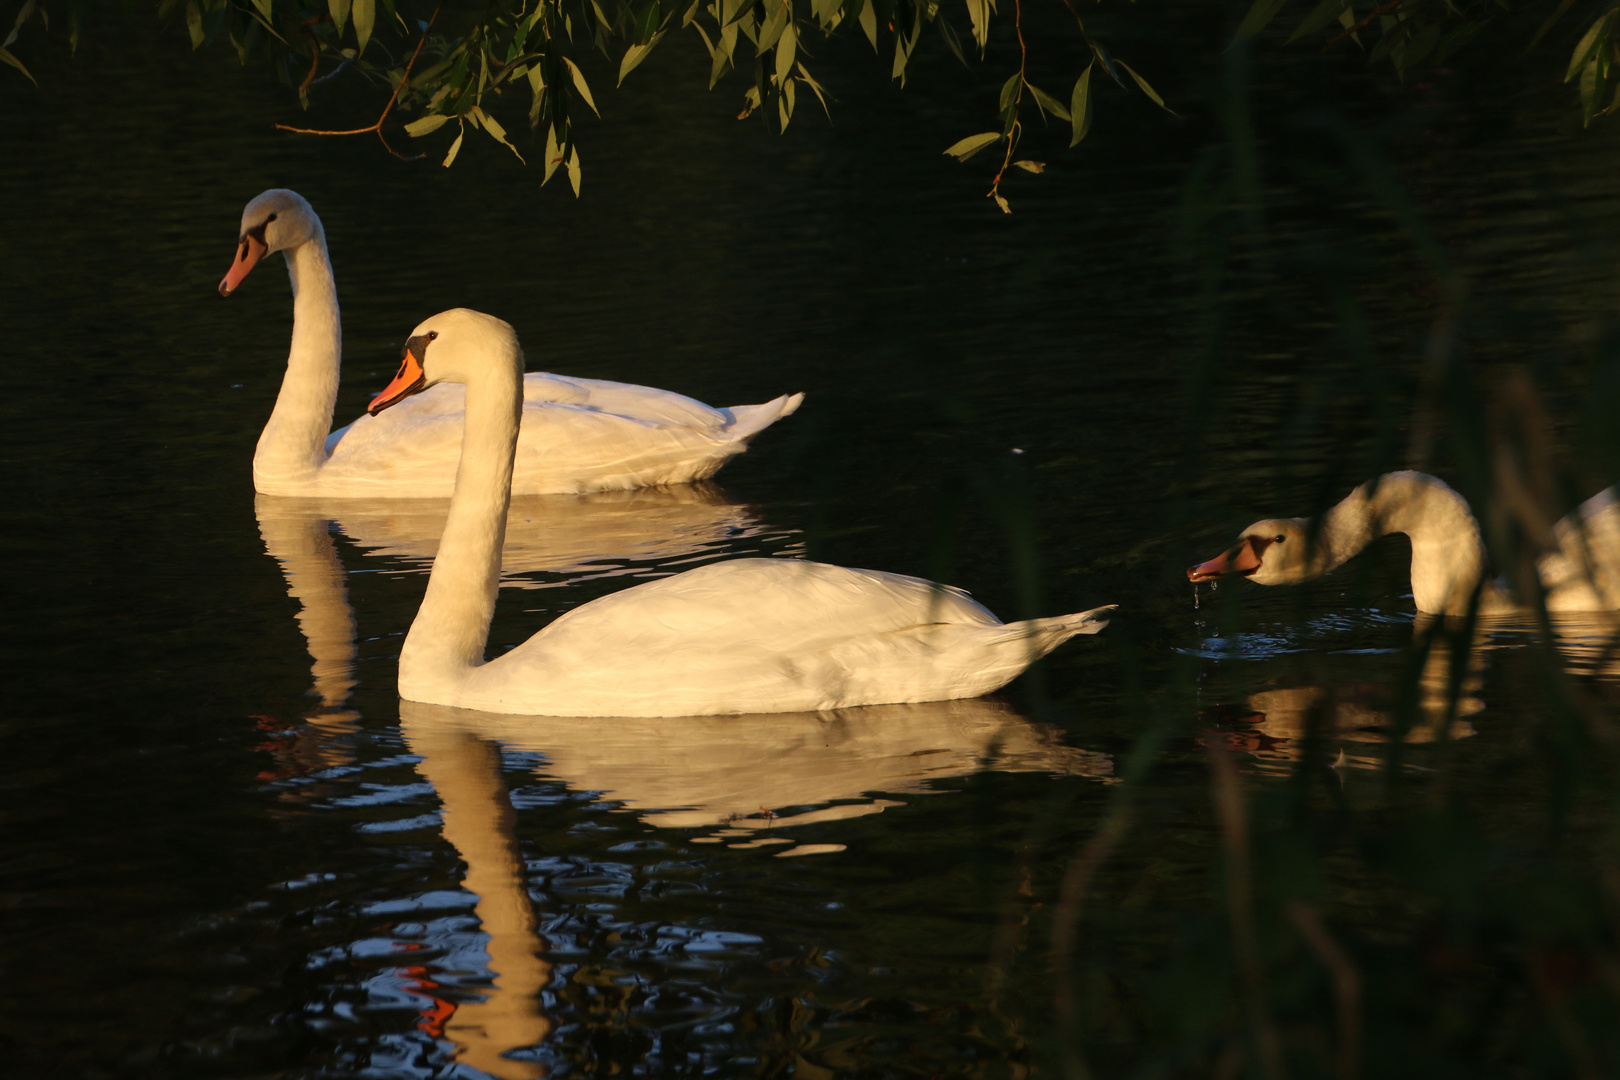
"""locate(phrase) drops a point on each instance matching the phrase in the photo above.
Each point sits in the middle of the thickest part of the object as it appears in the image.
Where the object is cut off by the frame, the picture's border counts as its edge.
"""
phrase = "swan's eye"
(269, 219)
(1279, 539)
(433, 335)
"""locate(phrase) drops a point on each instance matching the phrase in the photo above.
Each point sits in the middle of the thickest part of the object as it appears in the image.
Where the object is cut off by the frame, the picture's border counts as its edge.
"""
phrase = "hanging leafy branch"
(1077, 113)
(452, 64)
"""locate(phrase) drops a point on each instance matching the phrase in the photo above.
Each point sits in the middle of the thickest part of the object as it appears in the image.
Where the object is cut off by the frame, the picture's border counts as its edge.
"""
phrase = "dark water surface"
(218, 863)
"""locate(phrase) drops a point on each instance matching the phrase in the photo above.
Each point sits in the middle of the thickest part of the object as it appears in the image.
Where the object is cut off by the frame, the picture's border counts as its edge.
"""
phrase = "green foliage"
(455, 62)
(438, 64)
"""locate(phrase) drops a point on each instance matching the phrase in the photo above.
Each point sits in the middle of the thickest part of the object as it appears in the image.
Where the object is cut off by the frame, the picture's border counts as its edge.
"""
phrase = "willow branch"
(314, 51)
(1018, 100)
(392, 98)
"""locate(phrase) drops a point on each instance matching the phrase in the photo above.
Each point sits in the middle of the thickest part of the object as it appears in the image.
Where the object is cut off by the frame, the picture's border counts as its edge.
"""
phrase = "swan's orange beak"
(1243, 560)
(252, 249)
(410, 380)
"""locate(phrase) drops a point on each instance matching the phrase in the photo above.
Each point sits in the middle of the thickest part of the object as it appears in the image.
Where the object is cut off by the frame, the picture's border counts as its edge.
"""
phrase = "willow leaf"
(1146, 89)
(1048, 102)
(634, 55)
(426, 125)
(6, 57)
(963, 149)
(580, 85)
(1588, 46)
(785, 50)
(365, 19)
(1080, 105)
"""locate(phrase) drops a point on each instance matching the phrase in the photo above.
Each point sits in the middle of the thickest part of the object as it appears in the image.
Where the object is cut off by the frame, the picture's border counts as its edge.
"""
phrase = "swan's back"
(776, 606)
(757, 635)
(578, 435)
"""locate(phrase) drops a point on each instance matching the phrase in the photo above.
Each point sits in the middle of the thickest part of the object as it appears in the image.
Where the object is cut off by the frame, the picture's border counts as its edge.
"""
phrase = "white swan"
(578, 435)
(1448, 557)
(749, 635)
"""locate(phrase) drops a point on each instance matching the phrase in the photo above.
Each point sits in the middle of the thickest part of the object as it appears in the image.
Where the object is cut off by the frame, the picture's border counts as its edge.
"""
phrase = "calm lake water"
(231, 851)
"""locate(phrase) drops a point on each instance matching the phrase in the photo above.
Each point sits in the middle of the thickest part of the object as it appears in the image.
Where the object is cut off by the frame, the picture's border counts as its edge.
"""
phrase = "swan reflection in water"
(729, 777)
(1275, 724)
(478, 821)
(551, 540)
(730, 772)
(739, 772)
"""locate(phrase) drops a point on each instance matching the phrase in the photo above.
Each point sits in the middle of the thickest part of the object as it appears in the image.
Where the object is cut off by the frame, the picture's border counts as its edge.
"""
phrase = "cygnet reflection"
(771, 771)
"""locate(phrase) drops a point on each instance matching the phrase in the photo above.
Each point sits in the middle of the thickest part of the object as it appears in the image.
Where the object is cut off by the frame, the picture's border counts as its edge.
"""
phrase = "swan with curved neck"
(1449, 560)
(578, 435)
(748, 635)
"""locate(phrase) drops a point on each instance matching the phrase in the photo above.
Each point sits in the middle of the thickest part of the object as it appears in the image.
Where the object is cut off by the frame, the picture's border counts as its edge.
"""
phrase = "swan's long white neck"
(1448, 555)
(446, 642)
(293, 444)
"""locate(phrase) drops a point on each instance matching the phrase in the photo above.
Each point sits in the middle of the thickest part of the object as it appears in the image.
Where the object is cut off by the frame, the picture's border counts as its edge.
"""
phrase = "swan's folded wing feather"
(644, 404)
(783, 605)
(754, 635)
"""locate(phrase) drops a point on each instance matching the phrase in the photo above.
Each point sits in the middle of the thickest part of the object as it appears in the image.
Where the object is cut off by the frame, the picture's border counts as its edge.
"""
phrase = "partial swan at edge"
(1449, 561)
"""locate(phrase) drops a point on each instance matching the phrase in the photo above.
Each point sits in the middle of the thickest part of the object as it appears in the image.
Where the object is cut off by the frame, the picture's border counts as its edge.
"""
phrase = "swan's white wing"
(644, 403)
(577, 435)
(781, 606)
(761, 635)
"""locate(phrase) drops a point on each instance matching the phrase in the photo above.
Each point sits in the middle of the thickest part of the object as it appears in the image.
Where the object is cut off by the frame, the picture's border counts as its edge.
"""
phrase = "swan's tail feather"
(749, 420)
(1044, 635)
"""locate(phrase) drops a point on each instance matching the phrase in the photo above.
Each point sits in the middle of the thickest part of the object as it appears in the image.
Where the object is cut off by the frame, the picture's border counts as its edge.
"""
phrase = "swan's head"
(460, 346)
(1271, 552)
(277, 220)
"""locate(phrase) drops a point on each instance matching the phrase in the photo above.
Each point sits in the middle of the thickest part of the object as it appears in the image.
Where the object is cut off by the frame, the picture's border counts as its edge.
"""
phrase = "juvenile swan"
(578, 435)
(749, 635)
(1448, 557)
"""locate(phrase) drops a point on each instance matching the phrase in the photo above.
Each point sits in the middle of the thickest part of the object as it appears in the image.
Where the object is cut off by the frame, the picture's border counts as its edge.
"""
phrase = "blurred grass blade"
(5, 55)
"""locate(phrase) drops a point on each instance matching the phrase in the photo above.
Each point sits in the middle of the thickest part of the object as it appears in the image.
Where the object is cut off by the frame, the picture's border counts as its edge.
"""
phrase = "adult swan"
(749, 635)
(578, 435)
(1449, 561)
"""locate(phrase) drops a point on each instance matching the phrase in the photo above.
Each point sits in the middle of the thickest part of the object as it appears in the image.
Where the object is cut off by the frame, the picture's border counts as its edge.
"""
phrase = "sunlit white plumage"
(578, 435)
(750, 635)
(1449, 560)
